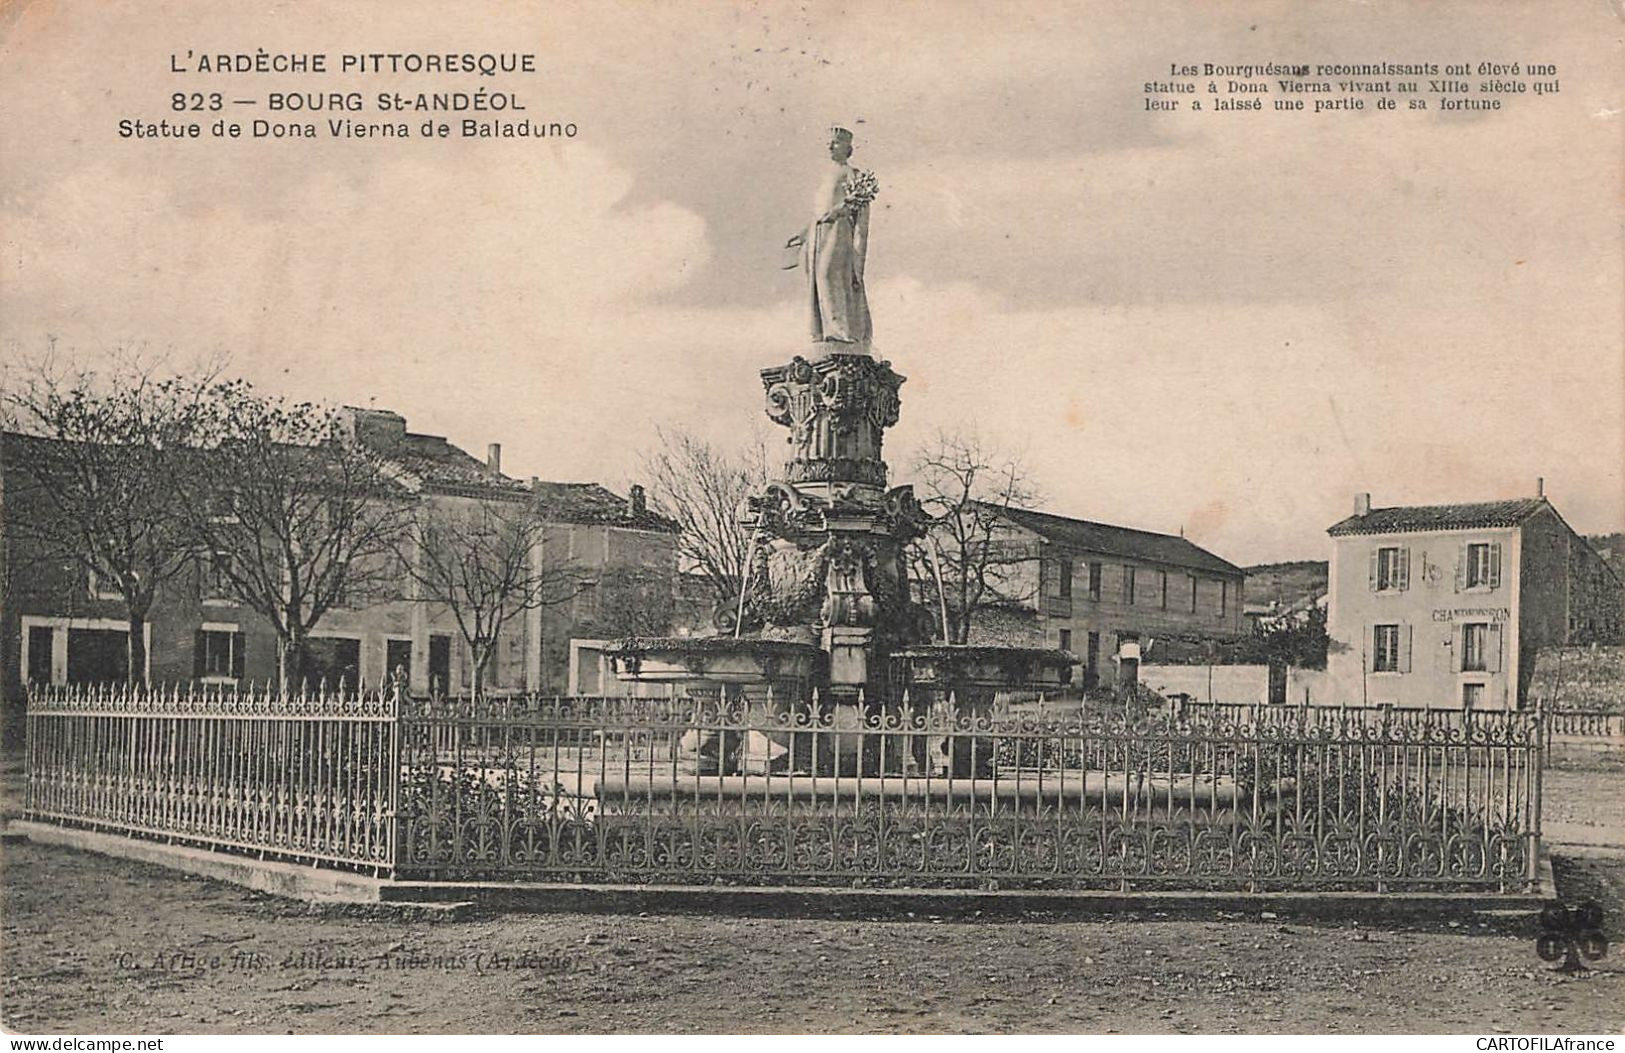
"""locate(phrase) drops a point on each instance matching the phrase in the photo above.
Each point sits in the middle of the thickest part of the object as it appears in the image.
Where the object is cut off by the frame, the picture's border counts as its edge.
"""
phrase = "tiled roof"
(434, 464)
(1110, 540)
(592, 503)
(440, 465)
(446, 467)
(1410, 519)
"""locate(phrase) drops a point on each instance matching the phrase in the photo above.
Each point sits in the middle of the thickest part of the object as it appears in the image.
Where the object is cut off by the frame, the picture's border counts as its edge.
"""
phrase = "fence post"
(1542, 741)
(393, 755)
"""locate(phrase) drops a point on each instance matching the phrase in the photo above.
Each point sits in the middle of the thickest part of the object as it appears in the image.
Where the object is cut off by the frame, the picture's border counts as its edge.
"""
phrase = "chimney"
(1362, 504)
(636, 502)
(375, 428)
(1540, 486)
(493, 458)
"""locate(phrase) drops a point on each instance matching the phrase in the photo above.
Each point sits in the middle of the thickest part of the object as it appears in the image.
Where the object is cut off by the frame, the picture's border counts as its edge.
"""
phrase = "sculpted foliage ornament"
(836, 409)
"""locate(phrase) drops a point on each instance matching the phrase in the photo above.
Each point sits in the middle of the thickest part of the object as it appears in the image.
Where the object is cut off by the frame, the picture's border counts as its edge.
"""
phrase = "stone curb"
(357, 894)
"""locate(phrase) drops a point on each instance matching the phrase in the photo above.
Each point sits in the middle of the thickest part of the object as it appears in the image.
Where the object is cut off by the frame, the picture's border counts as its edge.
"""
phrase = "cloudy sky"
(1224, 322)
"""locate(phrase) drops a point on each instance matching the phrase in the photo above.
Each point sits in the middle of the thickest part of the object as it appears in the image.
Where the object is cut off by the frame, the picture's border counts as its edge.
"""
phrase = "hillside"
(1286, 583)
(1610, 547)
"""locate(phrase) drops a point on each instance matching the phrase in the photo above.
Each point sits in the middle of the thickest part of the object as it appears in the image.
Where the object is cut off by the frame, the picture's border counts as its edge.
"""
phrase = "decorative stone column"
(829, 562)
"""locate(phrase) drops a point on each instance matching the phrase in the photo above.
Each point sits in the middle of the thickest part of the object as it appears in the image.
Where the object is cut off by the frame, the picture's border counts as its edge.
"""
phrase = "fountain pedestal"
(831, 535)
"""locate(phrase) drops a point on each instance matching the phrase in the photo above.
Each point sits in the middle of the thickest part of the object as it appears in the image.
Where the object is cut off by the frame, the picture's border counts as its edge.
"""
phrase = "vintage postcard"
(606, 517)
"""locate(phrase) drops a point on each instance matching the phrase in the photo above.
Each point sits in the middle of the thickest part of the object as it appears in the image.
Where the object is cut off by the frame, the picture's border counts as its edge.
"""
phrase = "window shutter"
(200, 644)
(1492, 648)
(1495, 565)
(1376, 650)
(1461, 568)
(1403, 572)
(1374, 561)
(1405, 648)
(237, 643)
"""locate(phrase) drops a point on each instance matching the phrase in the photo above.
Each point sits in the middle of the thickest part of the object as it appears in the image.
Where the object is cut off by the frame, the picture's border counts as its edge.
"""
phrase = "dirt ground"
(99, 945)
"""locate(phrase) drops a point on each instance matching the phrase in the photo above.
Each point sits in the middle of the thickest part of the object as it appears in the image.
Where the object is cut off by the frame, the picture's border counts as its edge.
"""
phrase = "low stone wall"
(1209, 683)
(1580, 678)
(1234, 683)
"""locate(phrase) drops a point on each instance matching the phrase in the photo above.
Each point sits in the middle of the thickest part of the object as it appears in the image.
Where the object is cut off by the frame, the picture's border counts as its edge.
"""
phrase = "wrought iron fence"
(1559, 723)
(1590, 724)
(306, 777)
(921, 793)
(762, 792)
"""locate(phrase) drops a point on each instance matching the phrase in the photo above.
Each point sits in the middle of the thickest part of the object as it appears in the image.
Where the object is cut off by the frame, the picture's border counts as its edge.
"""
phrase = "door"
(1277, 683)
(397, 659)
(439, 664)
(41, 639)
(1091, 671)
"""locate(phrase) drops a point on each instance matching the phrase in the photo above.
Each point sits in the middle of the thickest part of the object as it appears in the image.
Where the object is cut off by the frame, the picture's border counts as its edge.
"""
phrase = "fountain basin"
(955, 667)
(713, 660)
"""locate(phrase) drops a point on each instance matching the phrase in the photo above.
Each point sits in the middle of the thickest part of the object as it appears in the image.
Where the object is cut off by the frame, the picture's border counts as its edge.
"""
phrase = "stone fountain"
(825, 609)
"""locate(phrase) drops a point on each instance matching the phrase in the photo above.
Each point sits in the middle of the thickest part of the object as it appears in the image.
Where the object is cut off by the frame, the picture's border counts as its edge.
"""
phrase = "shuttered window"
(1390, 648)
(1481, 647)
(217, 653)
(1472, 646)
(1390, 568)
(1479, 566)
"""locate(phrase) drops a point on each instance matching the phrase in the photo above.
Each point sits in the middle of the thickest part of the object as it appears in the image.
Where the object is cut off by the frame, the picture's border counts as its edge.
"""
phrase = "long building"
(1105, 592)
(58, 624)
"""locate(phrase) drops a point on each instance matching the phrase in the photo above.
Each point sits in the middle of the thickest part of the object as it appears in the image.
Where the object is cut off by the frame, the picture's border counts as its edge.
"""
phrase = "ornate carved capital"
(837, 409)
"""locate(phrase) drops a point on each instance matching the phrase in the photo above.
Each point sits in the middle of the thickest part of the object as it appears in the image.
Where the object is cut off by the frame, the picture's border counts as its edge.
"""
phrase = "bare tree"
(484, 560)
(100, 483)
(967, 485)
(299, 515)
(701, 486)
(632, 601)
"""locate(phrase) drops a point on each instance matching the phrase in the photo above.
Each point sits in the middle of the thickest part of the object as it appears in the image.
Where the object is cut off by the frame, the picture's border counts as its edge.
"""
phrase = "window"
(218, 654)
(584, 605)
(1474, 636)
(341, 583)
(1063, 572)
(1128, 585)
(104, 588)
(1224, 597)
(1472, 695)
(1066, 639)
(1385, 649)
(1095, 574)
(1481, 565)
(1390, 569)
(332, 661)
(217, 584)
(98, 656)
(1193, 594)
(222, 508)
(1162, 588)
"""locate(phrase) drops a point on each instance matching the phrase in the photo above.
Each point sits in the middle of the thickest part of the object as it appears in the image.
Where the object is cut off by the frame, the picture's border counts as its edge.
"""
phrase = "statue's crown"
(840, 132)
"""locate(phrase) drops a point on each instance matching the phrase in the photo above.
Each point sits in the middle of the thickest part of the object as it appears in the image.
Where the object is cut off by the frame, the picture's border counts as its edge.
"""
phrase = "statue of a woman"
(832, 252)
